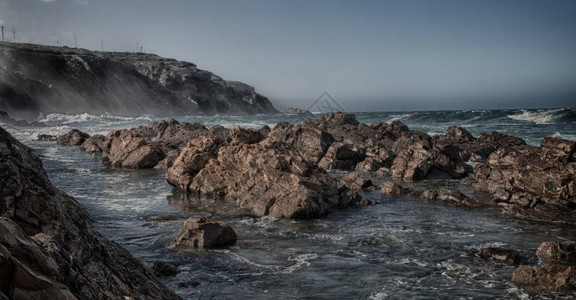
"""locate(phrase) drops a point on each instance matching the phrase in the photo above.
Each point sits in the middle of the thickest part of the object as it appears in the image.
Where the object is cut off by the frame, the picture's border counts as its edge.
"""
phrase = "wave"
(544, 116)
(86, 117)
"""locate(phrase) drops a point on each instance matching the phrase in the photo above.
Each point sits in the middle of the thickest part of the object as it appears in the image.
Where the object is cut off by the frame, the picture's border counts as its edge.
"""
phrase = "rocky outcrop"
(296, 111)
(267, 177)
(94, 144)
(533, 182)
(201, 232)
(7, 119)
(172, 132)
(441, 195)
(356, 182)
(48, 246)
(74, 137)
(551, 278)
(41, 79)
(506, 256)
(127, 149)
(557, 251)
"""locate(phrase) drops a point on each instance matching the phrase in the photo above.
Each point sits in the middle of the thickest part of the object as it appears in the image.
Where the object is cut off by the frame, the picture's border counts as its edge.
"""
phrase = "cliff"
(48, 246)
(41, 79)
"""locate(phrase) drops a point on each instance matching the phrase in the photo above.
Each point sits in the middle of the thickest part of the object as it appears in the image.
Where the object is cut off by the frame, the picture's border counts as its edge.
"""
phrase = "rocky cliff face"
(48, 246)
(36, 78)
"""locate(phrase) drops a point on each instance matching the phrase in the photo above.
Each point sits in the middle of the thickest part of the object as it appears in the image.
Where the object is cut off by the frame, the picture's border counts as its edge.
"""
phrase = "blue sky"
(369, 55)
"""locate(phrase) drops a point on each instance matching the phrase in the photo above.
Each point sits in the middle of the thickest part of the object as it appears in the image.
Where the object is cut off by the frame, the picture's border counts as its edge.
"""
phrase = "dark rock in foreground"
(74, 137)
(201, 232)
(557, 251)
(48, 246)
(506, 256)
(550, 278)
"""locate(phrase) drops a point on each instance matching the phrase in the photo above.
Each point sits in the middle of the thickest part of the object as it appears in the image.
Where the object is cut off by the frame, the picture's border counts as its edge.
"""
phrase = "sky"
(368, 55)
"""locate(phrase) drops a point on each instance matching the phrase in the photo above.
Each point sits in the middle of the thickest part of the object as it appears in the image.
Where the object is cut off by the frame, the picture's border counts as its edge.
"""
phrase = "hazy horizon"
(368, 55)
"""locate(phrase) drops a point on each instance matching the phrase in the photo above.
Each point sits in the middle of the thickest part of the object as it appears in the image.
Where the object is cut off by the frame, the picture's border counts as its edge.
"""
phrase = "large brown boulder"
(201, 232)
(533, 182)
(127, 149)
(550, 278)
(48, 246)
(557, 251)
(74, 137)
(414, 157)
(269, 178)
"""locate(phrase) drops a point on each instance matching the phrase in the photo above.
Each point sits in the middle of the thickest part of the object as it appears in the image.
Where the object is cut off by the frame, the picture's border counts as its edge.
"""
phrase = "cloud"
(48, 1)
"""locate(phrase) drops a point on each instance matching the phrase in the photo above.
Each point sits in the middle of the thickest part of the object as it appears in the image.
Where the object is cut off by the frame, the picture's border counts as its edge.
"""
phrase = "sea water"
(401, 248)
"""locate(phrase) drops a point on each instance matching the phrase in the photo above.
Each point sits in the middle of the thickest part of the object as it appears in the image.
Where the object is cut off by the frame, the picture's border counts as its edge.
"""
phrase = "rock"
(296, 111)
(47, 138)
(126, 149)
(531, 182)
(309, 142)
(164, 269)
(557, 251)
(449, 196)
(506, 256)
(356, 182)
(168, 161)
(201, 232)
(269, 177)
(6, 119)
(391, 188)
(414, 157)
(93, 144)
(176, 134)
(241, 135)
(549, 278)
(74, 137)
(342, 156)
(44, 79)
(49, 248)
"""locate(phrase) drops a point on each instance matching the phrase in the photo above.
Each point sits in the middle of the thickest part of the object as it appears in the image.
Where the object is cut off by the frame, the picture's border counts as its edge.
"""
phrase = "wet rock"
(126, 149)
(296, 111)
(201, 232)
(47, 138)
(74, 137)
(550, 278)
(93, 144)
(532, 182)
(48, 246)
(449, 196)
(356, 182)
(557, 251)
(241, 135)
(341, 156)
(506, 256)
(391, 188)
(309, 142)
(174, 133)
(168, 161)
(164, 269)
(268, 178)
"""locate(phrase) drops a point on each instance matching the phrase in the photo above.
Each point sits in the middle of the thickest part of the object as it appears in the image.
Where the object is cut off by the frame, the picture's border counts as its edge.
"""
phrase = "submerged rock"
(164, 269)
(506, 256)
(550, 278)
(557, 251)
(74, 137)
(47, 138)
(48, 246)
(202, 232)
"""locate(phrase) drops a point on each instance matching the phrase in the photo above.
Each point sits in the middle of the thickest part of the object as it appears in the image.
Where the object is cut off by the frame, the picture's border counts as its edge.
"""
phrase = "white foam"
(538, 117)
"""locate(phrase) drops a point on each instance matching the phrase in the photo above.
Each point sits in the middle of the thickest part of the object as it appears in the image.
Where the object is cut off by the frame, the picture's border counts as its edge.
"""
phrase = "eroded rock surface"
(506, 256)
(48, 246)
(551, 278)
(533, 182)
(202, 232)
(74, 137)
(557, 251)
(127, 149)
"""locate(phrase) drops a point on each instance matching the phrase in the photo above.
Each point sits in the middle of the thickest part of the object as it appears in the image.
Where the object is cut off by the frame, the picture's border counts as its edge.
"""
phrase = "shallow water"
(400, 248)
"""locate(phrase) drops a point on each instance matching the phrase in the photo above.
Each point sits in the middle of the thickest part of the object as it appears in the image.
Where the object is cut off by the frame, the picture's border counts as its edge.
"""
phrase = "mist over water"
(400, 248)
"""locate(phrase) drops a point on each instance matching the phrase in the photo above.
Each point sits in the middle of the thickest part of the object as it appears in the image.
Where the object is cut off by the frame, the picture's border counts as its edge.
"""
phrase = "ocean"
(401, 248)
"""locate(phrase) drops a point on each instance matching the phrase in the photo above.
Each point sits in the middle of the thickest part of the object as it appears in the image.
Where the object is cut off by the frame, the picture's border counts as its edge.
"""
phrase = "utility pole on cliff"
(102, 45)
(137, 47)
(14, 34)
(75, 42)
(2, 33)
